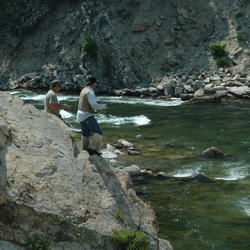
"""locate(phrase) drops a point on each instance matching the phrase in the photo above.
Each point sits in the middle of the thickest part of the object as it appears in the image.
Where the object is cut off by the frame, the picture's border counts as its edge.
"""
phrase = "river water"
(192, 215)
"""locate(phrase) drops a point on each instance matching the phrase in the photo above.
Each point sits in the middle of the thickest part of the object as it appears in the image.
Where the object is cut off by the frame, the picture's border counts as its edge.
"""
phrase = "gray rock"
(124, 144)
(221, 93)
(213, 152)
(217, 88)
(215, 78)
(197, 85)
(199, 93)
(204, 99)
(178, 90)
(232, 84)
(207, 80)
(164, 244)
(186, 97)
(239, 91)
(202, 178)
(132, 170)
(133, 152)
(162, 175)
(110, 152)
(208, 87)
(188, 89)
(69, 197)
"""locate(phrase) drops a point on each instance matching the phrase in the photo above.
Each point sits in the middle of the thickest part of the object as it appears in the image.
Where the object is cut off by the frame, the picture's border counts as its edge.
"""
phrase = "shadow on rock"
(113, 185)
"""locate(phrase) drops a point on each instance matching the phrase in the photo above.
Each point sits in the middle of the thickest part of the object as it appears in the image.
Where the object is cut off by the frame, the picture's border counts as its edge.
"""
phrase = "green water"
(192, 215)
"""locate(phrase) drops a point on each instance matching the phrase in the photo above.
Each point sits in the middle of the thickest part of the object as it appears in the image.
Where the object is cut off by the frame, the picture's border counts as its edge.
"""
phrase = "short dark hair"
(90, 80)
(55, 83)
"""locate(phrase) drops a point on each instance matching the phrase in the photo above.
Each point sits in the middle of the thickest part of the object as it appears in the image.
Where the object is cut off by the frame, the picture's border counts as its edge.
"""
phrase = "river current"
(191, 215)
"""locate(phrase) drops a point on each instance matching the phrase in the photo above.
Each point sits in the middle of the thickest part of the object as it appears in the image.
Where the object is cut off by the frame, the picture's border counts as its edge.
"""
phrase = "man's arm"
(93, 103)
(53, 106)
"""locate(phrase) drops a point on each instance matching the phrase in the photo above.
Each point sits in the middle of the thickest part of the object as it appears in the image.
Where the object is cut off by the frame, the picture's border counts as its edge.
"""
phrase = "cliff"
(49, 189)
(125, 44)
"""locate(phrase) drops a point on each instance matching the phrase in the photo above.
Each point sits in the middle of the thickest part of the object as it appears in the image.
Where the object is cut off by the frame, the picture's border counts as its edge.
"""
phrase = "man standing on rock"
(87, 107)
(51, 104)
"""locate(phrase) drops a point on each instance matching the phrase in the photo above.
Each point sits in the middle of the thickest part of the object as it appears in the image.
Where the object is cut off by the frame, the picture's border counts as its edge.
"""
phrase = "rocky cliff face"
(125, 44)
(50, 189)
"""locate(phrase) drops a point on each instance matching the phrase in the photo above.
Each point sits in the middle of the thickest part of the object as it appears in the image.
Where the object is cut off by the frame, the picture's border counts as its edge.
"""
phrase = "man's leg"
(95, 140)
(85, 135)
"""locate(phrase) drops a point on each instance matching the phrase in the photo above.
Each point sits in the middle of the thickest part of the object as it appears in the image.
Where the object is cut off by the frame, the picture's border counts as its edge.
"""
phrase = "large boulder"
(49, 188)
(242, 91)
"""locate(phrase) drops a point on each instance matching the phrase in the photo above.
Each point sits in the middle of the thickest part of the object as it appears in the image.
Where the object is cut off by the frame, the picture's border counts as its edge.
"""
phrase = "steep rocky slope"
(50, 189)
(132, 43)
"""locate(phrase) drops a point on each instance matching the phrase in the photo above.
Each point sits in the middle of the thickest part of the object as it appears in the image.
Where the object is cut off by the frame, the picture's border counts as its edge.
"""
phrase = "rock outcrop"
(49, 188)
(125, 44)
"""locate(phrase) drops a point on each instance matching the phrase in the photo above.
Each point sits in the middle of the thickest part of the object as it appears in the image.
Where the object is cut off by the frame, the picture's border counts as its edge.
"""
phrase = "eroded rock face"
(47, 189)
(137, 41)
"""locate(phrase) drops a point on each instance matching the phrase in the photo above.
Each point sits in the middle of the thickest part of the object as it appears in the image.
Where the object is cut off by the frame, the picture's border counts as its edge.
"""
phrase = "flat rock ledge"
(50, 189)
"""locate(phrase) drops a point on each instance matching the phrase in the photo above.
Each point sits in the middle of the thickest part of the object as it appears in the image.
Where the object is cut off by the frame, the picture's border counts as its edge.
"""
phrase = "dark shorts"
(90, 126)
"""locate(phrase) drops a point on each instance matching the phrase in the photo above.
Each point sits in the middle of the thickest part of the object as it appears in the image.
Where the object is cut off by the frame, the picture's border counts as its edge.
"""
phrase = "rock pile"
(214, 86)
(43, 79)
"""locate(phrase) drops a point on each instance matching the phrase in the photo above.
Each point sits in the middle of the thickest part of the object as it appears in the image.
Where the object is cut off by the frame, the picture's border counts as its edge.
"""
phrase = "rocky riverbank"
(202, 87)
(222, 83)
(49, 189)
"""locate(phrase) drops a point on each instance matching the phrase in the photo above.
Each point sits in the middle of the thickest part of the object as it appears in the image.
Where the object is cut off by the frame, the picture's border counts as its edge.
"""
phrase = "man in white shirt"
(87, 107)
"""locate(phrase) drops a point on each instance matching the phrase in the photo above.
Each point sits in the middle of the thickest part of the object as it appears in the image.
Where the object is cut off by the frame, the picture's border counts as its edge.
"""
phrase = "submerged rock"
(213, 152)
(125, 144)
(48, 190)
(132, 170)
(203, 99)
(133, 152)
(201, 178)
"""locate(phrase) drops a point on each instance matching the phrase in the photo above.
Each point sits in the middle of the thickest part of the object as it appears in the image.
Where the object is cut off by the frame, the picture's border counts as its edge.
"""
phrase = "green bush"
(89, 46)
(119, 215)
(130, 240)
(222, 62)
(218, 50)
(38, 243)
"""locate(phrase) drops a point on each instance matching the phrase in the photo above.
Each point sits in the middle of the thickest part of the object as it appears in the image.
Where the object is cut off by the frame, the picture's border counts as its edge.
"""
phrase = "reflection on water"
(192, 215)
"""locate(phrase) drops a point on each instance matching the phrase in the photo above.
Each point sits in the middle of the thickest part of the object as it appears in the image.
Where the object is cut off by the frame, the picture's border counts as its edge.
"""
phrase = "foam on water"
(116, 120)
(186, 172)
(189, 173)
(131, 100)
(235, 173)
(69, 97)
(41, 97)
(65, 114)
(244, 203)
(30, 95)
(33, 98)
(14, 92)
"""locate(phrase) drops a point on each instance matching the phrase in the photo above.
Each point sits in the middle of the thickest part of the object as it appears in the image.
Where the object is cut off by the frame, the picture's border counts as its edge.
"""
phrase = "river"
(191, 215)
